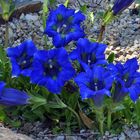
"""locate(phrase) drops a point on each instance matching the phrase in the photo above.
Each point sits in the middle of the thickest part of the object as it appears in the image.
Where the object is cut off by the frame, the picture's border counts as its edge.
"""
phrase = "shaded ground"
(122, 37)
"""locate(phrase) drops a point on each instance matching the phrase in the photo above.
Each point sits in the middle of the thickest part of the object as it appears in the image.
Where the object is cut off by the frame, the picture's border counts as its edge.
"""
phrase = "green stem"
(66, 3)
(69, 108)
(44, 17)
(100, 118)
(109, 122)
(78, 118)
(101, 127)
(6, 35)
(68, 130)
(100, 37)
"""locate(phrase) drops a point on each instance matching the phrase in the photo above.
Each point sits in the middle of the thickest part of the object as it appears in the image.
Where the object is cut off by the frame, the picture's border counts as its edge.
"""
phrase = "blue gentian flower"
(95, 83)
(121, 5)
(12, 97)
(63, 25)
(21, 58)
(88, 53)
(52, 69)
(127, 80)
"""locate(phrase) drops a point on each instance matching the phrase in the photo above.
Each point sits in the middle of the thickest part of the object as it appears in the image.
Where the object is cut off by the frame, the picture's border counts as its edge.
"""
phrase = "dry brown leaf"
(86, 120)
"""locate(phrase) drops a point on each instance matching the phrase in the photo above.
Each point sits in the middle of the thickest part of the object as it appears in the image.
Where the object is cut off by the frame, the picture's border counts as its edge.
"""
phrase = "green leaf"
(12, 9)
(54, 105)
(138, 1)
(37, 101)
(45, 6)
(91, 16)
(107, 17)
(5, 69)
(15, 124)
(137, 111)
(2, 115)
(56, 130)
(4, 5)
(51, 2)
(3, 56)
(45, 91)
(83, 9)
(66, 3)
(111, 57)
(118, 108)
(59, 101)
(45, 11)
(93, 40)
(7, 9)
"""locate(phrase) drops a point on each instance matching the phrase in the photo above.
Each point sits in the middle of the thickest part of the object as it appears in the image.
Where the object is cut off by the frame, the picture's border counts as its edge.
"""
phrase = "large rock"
(7, 134)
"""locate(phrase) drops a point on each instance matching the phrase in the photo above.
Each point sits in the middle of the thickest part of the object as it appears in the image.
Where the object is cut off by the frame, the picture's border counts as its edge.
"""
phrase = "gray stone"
(46, 138)
(134, 135)
(122, 137)
(82, 131)
(13, 26)
(37, 23)
(22, 17)
(137, 20)
(114, 138)
(71, 137)
(41, 134)
(11, 33)
(59, 138)
(107, 133)
(30, 17)
(41, 29)
(7, 134)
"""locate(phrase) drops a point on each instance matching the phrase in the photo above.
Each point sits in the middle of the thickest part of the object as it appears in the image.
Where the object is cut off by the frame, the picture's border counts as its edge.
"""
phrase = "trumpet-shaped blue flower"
(127, 80)
(12, 97)
(21, 58)
(88, 53)
(63, 25)
(95, 84)
(121, 5)
(52, 69)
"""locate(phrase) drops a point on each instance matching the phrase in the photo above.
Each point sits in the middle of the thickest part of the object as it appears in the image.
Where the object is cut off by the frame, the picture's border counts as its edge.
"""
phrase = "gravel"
(40, 131)
(28, 26)
(37, 131)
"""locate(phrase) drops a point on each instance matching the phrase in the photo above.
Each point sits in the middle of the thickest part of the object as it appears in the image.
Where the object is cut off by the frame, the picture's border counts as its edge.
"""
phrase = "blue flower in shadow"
(12, 97)
(21, 58)
(88, 53)
(63, 25)
(52, 69)
(127, 80)
(95, 83)
(121, 5)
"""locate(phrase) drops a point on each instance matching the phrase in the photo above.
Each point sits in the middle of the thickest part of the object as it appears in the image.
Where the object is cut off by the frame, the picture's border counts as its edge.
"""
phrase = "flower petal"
(13, 97)
(15, 68)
